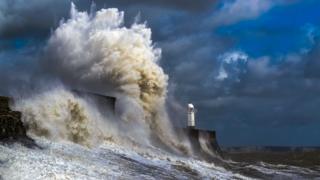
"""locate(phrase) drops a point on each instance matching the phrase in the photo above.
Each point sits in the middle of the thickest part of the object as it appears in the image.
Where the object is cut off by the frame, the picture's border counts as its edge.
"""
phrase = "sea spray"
(96, 52)
(59, 115)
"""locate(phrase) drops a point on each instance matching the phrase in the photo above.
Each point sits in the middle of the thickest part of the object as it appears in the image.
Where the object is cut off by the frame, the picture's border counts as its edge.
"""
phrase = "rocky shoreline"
(12, 128)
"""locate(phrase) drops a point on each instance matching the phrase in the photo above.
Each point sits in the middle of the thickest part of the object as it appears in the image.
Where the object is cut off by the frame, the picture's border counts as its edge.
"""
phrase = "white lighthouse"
(191, 120)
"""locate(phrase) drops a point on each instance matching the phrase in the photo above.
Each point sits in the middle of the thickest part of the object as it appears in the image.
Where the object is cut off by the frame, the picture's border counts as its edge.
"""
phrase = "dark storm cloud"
(313, 62)
(16, 69)
(18, 18)
(35, 17)
(188, 5)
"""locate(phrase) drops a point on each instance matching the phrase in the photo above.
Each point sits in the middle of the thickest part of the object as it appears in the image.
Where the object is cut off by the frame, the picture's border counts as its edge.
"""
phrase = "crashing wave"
(98, 53)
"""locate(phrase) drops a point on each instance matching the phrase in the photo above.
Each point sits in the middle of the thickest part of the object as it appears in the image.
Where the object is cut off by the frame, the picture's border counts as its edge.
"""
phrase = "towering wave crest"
(97, 52)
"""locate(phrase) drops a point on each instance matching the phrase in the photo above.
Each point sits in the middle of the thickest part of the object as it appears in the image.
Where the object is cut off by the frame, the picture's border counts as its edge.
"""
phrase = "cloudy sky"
(250, 67)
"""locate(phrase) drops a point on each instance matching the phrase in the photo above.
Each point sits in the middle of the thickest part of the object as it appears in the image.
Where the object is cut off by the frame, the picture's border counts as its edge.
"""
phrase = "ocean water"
(65, 160)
